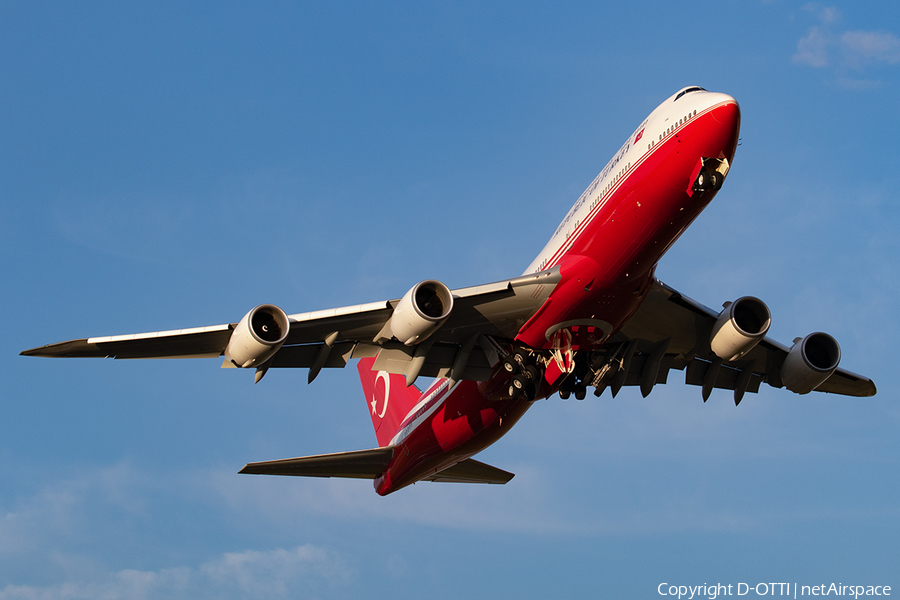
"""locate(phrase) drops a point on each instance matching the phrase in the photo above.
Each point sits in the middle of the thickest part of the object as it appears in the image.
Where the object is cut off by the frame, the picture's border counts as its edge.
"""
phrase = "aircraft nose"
(725, 118)
(728, 112)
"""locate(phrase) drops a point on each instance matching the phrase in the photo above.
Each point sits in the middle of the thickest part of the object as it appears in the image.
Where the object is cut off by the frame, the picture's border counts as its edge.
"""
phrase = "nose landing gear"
(708, 180)
(712, 175)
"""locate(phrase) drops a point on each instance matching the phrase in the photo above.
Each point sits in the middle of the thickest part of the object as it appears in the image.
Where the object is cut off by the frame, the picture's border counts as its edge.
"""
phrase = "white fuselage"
(664, 121)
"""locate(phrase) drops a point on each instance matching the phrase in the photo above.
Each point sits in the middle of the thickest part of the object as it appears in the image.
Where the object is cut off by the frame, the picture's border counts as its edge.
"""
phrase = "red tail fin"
(388, 398)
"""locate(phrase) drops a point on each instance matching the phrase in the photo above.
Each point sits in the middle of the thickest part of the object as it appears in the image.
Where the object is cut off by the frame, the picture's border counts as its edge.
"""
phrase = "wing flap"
(305, 356)
(397, 358)
(726, 378)
(359, 464)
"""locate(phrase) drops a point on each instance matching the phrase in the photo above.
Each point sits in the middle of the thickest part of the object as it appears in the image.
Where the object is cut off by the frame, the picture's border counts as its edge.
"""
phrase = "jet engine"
(257, 336)
(810, 362)
(421, 311)
(741, 325)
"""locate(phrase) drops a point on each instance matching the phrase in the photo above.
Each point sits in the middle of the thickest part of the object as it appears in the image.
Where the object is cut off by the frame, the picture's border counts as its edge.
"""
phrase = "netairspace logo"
(794, 590)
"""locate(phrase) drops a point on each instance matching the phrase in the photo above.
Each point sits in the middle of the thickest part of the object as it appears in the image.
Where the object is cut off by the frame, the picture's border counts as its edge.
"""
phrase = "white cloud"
(812, 50)
(279, 573)
(849, 83)
(274, 572)
(855, 48)
(825, 14)
(57, 512)
(71, 530)
(871, 46)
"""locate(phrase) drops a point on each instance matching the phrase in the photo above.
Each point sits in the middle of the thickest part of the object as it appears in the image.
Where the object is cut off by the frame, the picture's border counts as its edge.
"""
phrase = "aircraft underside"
(588, 314)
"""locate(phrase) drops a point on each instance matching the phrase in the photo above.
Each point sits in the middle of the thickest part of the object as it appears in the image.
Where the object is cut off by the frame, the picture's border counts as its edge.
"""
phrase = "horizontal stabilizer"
(472, 471)
(360, 464)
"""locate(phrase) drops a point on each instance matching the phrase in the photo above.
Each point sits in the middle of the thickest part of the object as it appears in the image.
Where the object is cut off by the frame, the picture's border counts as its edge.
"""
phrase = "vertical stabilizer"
(388, 399)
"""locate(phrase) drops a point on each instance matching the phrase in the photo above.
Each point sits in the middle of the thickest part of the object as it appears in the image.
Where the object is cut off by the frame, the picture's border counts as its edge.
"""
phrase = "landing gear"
(708, 180)
(521, 386)
(526, 376)
(575, 381)
(517, 386)
(515, 362)
(567, 386)
(592, 369)
(580, 391)
(572, 385)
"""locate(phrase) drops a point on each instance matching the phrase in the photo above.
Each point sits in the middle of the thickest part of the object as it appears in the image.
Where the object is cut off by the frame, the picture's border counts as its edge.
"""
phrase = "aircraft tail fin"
(388, 398)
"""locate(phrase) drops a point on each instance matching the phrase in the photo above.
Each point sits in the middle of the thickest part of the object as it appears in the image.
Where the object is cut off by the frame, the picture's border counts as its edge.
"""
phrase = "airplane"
(587, 312)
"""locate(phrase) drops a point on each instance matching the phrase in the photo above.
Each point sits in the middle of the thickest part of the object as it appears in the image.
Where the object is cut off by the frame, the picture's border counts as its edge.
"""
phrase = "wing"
(330, 338)
(671, 331)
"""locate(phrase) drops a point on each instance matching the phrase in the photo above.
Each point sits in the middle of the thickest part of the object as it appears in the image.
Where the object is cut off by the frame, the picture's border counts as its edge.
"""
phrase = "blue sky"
(168, 166)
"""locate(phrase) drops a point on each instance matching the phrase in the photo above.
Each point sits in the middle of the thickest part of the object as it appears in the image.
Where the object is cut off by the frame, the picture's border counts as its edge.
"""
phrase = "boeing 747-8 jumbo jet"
(587, 312)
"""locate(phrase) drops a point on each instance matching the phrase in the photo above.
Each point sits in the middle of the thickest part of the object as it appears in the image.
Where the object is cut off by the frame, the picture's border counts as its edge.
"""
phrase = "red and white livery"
(588, 312)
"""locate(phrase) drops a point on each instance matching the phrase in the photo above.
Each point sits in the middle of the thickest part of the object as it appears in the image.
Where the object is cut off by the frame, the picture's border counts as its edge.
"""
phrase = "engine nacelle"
(741, 325)
(258, 336)
(421, 311)
(810, 362)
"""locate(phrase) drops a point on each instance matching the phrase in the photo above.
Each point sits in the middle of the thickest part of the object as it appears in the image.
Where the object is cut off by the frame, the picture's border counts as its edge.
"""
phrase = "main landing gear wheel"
(520, 387)
(518, 382)
(567, 386)
(514, 363)
(525, 384)
(580, 391)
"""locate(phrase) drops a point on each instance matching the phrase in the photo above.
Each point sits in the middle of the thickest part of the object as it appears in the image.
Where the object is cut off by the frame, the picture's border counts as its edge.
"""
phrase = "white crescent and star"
(387, 394)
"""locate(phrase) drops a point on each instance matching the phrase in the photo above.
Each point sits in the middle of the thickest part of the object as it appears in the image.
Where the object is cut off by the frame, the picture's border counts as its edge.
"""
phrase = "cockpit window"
(688, 91)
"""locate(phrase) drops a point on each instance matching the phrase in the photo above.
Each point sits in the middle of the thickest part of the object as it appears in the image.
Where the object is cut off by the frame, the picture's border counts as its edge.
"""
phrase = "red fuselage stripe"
(607, 251)
(618, 183)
